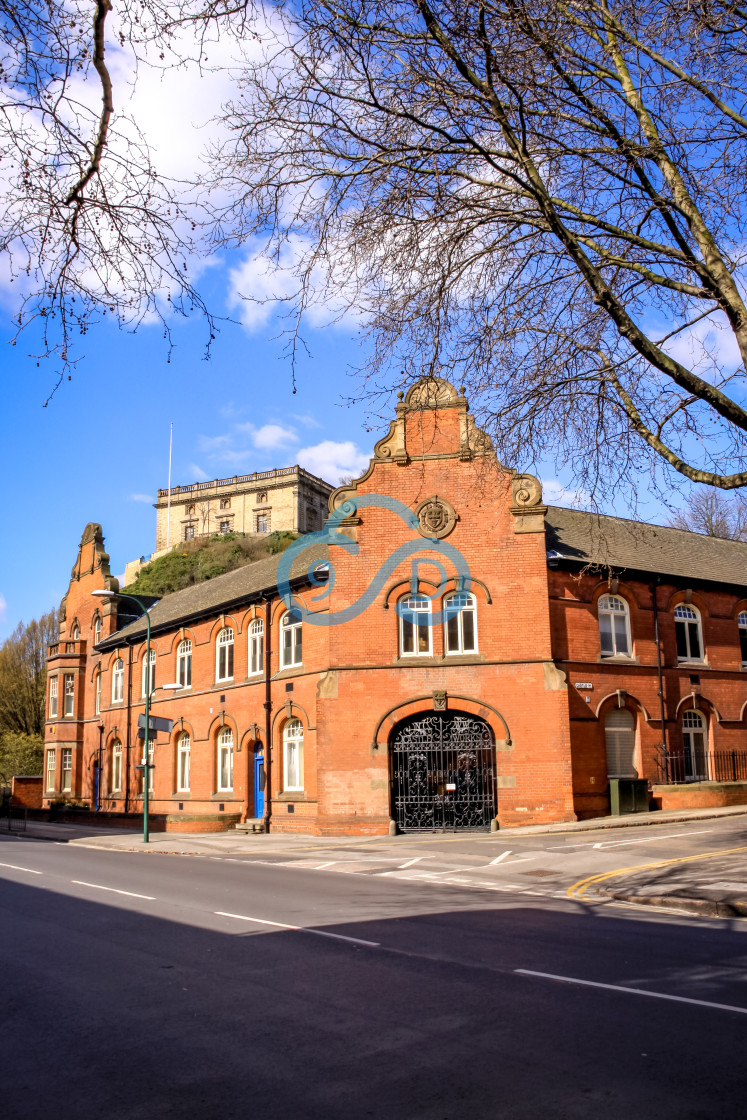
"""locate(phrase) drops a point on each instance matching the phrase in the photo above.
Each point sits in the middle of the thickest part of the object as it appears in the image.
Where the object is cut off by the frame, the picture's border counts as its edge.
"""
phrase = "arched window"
(291, 650)
(414, 626)
(98, 693)
(225, 760)
(183, 755)
(118, 681)
(97, 630)
(256, 646)
(224, 655)
(694, 744)
(116, 785)
(149, 672)
(614, 626)
(619, 737)
(293, 755)
(184, 663)
(75, 633)
(688, 633)
(742, 624)
(460, 612)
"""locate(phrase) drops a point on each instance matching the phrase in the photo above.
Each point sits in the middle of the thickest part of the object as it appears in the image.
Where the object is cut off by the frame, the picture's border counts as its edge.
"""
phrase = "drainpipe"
(268, 712)
(129, 728)
(662, 713)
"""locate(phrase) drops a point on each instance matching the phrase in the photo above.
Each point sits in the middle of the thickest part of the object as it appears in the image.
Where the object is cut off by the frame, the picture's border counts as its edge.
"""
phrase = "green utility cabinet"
(628, 795)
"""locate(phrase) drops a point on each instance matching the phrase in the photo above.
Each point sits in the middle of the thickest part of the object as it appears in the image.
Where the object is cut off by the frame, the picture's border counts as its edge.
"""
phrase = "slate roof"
(612, 541)
(216, 594)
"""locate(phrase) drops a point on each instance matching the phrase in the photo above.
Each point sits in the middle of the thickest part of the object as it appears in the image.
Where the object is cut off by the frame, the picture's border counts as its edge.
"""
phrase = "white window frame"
(53, 688)
(51, 769)
(614, 607)
(686, 615)
(411, 607)
(68, 688)
(454, 623)
(67, 770)
(224, 526)
(152, 681)
(263, 523)
(118, 681)
(97, 701)
(223, 643)
(183, 762)
(693, 723)
(97, 630)
(742, 628)
(189, 532)
(225, 759)
(293, 754)
(184, 663)
(75, 633)
(291, 640)
(116, 766)
(256, 647)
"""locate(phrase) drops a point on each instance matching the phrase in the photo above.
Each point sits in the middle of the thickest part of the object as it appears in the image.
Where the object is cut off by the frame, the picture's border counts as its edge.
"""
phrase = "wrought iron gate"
(443, 773)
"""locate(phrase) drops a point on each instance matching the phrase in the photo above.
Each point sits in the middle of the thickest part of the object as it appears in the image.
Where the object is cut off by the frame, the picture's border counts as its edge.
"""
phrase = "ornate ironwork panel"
(443, 773)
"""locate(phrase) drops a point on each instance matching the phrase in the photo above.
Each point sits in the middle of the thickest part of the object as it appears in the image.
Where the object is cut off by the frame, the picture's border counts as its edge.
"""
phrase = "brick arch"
(450, 587)
(631, 703)
(111, 735)
(181, 725)
(741, 605)
(115, 655)
(424, 704)
(623, 592)
(221, 623)
(687, 703)
(291, 709)
(248, 737)
(696, 600)
(221, 721)
(184, 633)
(249, 616)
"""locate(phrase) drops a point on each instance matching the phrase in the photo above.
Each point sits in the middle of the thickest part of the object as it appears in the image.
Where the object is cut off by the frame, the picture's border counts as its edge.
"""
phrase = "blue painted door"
(259, 785)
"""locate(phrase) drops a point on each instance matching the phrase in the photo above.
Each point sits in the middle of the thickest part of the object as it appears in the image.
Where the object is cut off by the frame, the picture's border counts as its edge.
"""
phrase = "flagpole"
(168, 512)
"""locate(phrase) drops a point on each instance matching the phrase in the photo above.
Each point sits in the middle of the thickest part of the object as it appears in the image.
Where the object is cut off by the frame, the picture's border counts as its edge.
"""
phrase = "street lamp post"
(146, 741)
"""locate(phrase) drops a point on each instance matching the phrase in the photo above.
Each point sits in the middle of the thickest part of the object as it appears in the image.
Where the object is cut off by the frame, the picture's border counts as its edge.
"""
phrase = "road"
(142, 985)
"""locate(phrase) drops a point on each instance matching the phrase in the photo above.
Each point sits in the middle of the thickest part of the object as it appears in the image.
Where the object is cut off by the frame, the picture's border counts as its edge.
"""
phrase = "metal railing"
(14, 819)
(702, 766)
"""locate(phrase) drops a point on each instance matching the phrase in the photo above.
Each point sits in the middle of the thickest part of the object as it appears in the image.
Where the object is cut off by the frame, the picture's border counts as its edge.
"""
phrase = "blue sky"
(99, 451)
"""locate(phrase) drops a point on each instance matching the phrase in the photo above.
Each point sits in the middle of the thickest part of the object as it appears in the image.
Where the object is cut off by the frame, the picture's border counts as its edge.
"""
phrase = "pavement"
(709, 882)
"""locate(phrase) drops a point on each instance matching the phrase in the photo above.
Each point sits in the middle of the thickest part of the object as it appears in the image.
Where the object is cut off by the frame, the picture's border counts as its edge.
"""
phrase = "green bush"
(196, 561)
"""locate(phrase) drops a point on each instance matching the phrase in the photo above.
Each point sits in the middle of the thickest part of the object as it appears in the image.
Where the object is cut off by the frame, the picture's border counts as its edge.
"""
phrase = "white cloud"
(198, 472)
(3, 608)
(146, 498)
(273, 435)
(554, 492)
(261, 287)
(699, 346)
(330, 460)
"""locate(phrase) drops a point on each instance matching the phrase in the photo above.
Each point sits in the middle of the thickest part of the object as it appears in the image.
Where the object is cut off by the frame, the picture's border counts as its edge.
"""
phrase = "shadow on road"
(110, 1012)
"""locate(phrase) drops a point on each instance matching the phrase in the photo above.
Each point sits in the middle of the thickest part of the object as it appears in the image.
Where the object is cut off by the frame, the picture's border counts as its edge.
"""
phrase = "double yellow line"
(579, 889)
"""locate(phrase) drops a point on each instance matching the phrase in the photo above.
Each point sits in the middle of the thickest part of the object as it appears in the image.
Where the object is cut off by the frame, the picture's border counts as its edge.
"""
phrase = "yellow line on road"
(579, 889)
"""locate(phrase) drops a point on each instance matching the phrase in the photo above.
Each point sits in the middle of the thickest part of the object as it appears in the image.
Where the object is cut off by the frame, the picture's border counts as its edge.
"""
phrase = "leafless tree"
(23, 674)
(88, 230)
(542, 199)
(713, 514)
(204, 510)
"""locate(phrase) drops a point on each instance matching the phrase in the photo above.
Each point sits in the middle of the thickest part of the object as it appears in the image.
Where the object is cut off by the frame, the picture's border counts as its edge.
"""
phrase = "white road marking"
(410, 862)
(631, 991)
(524, 859)
(300, 929)
(98, 887)
(498, 859)
(652, 839)
(15, 867)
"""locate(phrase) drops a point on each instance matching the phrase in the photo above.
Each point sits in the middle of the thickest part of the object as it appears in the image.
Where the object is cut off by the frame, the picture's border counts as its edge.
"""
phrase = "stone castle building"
(286, 499)
(450, 653)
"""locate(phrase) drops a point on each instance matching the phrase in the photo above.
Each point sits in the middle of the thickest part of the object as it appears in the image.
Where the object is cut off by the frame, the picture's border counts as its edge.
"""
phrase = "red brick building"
(451, 652)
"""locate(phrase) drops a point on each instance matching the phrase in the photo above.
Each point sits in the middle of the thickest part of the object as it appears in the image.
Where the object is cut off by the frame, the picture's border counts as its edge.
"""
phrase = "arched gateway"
(442, 772)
